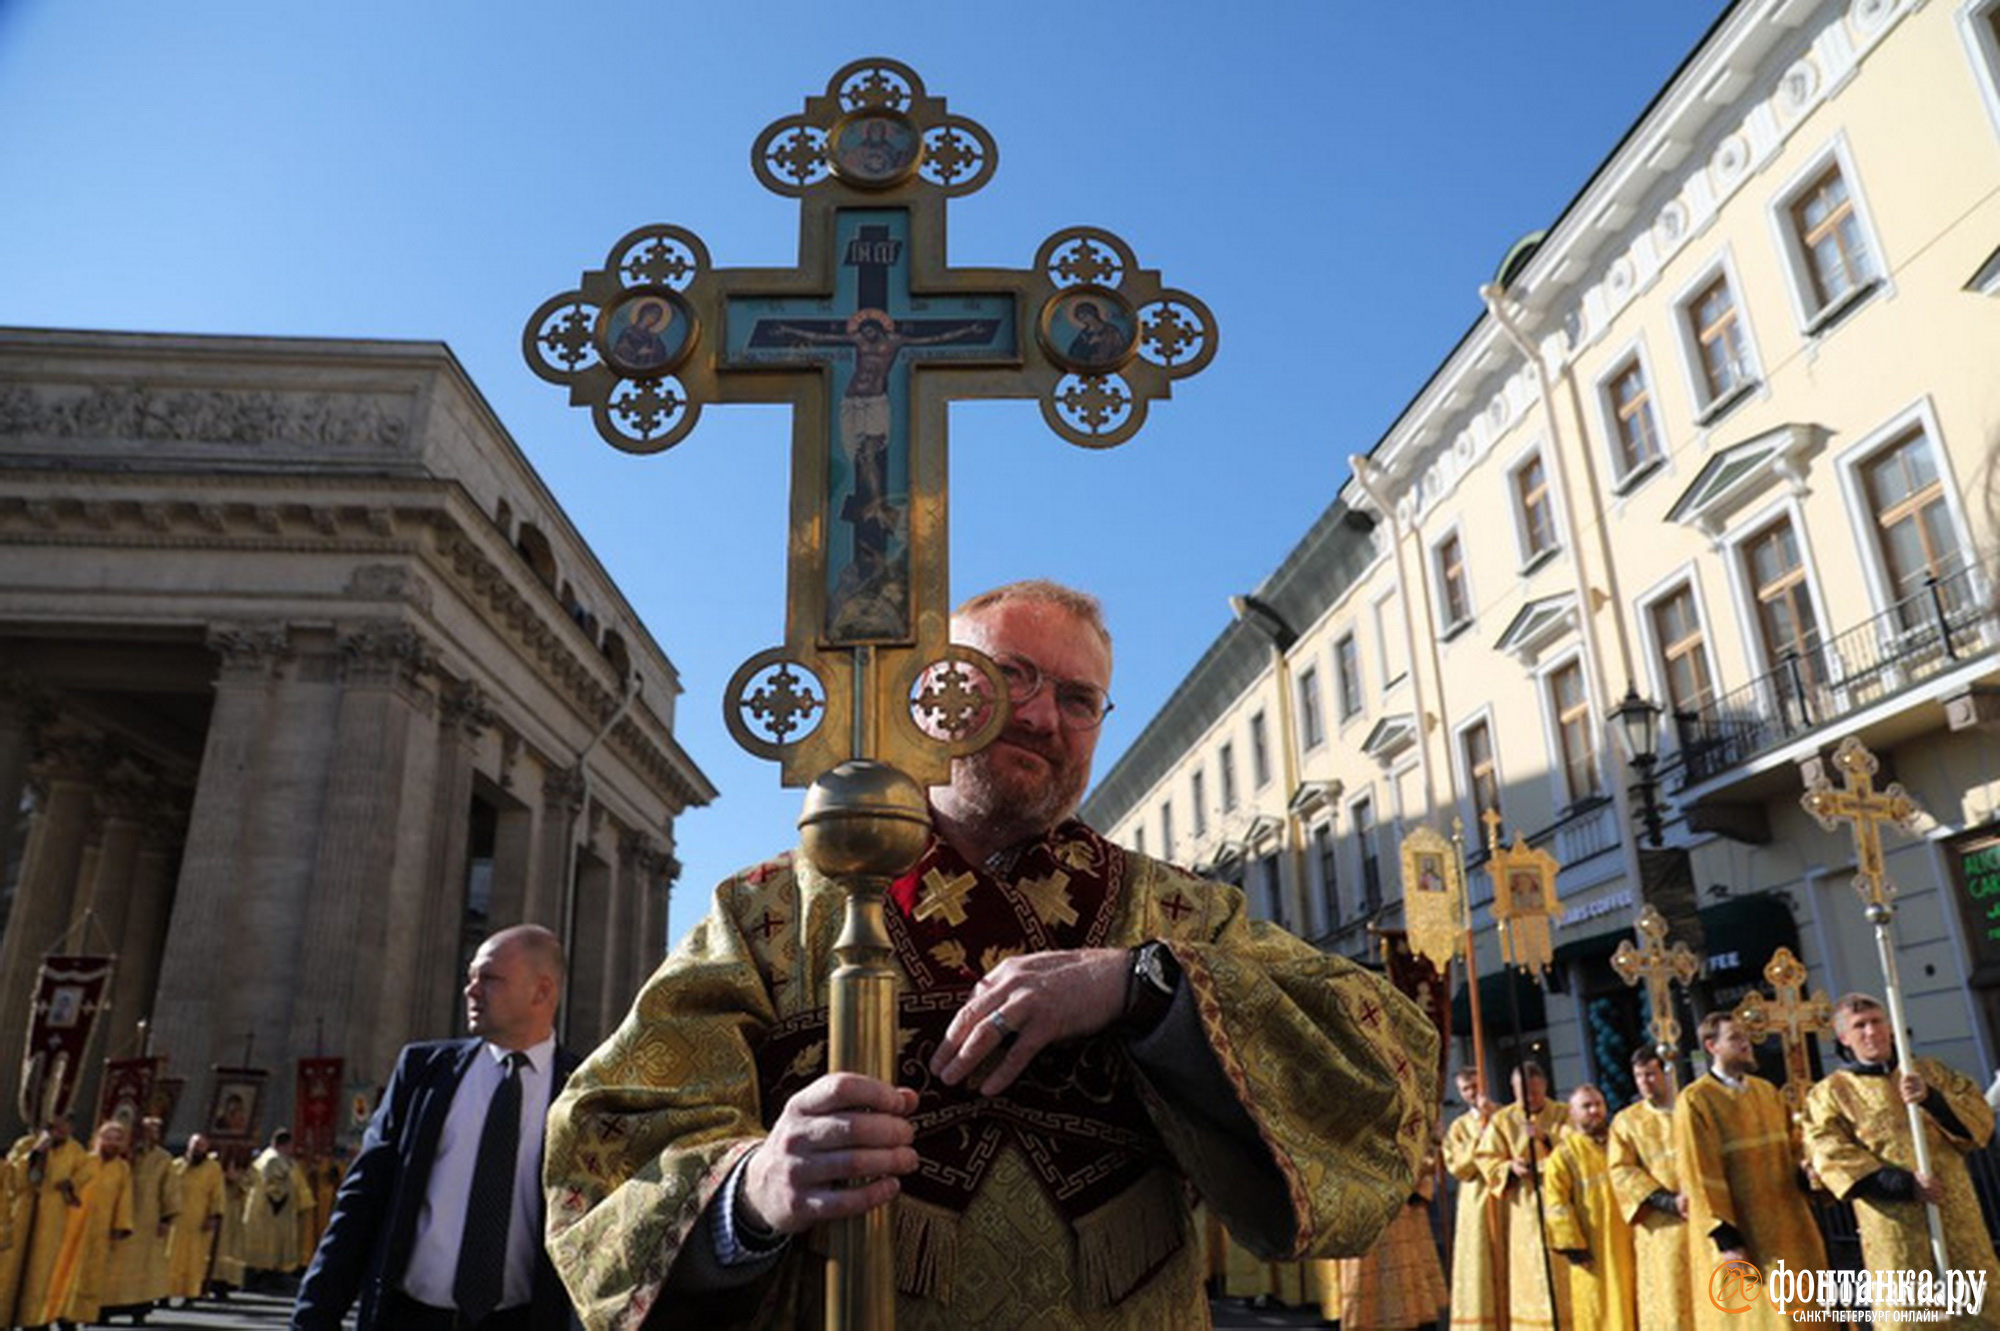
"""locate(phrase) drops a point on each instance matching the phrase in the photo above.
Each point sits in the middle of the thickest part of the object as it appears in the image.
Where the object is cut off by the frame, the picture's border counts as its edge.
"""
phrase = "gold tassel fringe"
(1125, 1240)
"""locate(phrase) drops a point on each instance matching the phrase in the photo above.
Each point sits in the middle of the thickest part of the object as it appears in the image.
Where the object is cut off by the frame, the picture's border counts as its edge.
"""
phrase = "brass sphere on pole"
(864, 823)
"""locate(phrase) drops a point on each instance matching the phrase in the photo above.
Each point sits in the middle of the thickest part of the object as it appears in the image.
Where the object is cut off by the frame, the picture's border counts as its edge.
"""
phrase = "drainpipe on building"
(1265, 619)
(579, 822)
(1361, 468)
(1621, 793)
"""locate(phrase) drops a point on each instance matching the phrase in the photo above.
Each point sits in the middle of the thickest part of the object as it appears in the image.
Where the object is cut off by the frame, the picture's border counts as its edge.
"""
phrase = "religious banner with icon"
(317, 1105)
(233, 1105)
(1524, 903)
(1433, 896)
(1788, 1014)
(128, 1088)
(70, 995)
(166, 1096)
(1427, 983)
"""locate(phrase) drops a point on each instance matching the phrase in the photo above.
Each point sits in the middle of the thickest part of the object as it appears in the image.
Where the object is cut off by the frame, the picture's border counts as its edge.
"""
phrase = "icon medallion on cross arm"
(868, 338)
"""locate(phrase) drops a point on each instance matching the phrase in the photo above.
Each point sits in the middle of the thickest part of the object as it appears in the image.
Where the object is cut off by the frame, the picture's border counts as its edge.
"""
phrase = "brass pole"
(863, 824)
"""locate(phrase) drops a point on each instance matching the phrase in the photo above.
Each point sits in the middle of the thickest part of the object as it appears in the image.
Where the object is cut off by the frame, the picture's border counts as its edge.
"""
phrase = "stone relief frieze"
(203, 415)
(390, 582)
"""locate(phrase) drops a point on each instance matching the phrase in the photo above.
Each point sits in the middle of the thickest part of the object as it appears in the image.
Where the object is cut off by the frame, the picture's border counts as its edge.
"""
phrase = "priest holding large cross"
(1033, 1045)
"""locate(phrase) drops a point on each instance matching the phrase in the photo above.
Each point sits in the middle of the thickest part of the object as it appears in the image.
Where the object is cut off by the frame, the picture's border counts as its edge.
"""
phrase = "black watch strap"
(1150, 985)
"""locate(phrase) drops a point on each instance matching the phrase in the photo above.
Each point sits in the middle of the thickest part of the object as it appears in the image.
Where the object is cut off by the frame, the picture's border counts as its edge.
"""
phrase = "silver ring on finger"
(998, 1021)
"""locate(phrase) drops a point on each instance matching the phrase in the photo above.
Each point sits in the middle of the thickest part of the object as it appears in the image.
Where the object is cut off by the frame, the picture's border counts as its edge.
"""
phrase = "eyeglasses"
(1082, 706)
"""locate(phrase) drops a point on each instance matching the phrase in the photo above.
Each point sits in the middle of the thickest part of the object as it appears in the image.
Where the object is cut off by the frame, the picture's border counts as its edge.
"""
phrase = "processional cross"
(869, 339)
(1659, 967)
(1789, 1015)
(1864, 809)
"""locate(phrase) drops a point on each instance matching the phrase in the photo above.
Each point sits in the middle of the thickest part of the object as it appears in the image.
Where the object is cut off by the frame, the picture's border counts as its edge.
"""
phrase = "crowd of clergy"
(1569, 1216)
(125, 1226)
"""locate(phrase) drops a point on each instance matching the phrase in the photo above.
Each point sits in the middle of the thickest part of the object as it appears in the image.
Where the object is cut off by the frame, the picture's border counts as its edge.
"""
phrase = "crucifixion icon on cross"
(869, 338)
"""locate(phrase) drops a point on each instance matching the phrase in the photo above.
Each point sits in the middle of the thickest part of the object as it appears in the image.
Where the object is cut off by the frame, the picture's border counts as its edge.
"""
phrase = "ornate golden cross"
(1660, 967)
(1789, 1015)
(1861, 806)
(869, 339)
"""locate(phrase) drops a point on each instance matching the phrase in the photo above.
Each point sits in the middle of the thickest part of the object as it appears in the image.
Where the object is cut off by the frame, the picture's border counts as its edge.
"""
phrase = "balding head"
(513, 985)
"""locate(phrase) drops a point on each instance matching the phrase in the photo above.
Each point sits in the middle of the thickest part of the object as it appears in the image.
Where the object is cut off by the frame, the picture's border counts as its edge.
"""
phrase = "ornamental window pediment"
(1743, 473)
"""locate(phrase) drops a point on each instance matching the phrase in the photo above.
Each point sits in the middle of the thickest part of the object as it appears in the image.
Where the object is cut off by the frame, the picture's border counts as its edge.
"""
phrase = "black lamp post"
(1639, 727)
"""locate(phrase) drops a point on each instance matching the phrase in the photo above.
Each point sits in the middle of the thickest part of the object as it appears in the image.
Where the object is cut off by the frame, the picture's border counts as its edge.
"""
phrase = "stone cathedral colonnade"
(297, 657)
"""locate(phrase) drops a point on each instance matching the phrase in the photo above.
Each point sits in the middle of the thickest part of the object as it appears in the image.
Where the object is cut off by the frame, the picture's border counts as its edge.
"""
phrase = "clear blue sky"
(1334, 178)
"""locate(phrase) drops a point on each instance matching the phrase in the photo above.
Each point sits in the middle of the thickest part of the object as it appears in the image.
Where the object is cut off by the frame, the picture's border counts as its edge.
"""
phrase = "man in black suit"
(439, 1222)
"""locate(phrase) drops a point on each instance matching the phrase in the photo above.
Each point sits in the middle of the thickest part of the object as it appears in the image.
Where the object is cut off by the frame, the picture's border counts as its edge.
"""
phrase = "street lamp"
(1639, 727)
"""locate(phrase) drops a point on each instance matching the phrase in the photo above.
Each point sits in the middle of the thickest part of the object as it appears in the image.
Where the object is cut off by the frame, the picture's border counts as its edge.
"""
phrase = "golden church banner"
(1433, 896)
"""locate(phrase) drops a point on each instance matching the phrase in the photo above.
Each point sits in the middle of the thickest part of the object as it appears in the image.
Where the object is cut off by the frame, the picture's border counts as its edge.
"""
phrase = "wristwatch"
(1150, 986)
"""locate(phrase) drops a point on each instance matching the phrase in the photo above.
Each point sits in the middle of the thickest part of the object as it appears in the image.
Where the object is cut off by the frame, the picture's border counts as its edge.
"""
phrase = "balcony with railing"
(1952, 622)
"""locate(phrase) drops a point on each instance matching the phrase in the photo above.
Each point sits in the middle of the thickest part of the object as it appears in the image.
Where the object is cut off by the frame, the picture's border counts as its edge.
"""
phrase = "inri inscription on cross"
(869, 339)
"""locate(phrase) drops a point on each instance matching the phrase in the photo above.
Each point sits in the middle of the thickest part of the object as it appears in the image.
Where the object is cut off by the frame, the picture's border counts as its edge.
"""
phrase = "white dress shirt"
(433, 1265)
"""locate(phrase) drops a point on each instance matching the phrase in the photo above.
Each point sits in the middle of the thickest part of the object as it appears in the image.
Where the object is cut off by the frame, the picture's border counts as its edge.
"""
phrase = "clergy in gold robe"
(1478, 1294)
(1746, 1190)
(270, 1210)
(1085, 1035)
(1587, 1229)
(227, 1269)
(17, 1197)
(1513, 1156)
(304, 1206)
(1857, 1130)
(198, 1223)
(1647, 1182)
(1399, 1283)
(136, 1276)
(48, 1167)
(99, 1220)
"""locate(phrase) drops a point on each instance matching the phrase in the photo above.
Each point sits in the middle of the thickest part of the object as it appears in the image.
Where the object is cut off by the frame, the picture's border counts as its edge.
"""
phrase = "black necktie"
(482, 1253)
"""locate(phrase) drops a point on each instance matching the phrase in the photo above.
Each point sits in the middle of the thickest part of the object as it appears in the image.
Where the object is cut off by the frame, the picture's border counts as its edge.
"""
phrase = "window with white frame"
(1329, 874)
(1260, 751)
(1347, 674)
(1139, 839)
(1482, 771)
(1828, 230)
(1361, 816)
(1271, 887)
(1683, 651)
(1576, 732)
(1225, 765)
(1454, 593)
(1198, 793)
(1534, 510)
(1787, 624)
(1718, 342)
(1167, 830)
(1915, 535)
(1979, 25)
(1312, 730)
(1635, 425)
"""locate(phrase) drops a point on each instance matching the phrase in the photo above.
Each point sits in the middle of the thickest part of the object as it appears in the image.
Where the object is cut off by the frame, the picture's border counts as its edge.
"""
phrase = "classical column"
(514, 865)
(237, 933)
(463, 715)
(67, 766)
(105, 892)
(586, 1023)
(151, 886)
(562, 801)
(24, 707)
(384, 665)
(201, 933)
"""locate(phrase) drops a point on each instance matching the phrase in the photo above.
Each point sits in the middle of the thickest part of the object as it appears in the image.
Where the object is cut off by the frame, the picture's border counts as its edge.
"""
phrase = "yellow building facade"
(1724, 439)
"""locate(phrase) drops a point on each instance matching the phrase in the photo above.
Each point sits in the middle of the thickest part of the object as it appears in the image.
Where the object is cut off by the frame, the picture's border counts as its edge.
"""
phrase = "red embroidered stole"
(1075, 1113)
